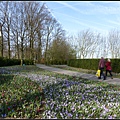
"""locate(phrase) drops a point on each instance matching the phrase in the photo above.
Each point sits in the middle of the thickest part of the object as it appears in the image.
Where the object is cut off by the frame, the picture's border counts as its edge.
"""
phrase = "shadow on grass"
(5, 79)
(19, 68)
(21, 102)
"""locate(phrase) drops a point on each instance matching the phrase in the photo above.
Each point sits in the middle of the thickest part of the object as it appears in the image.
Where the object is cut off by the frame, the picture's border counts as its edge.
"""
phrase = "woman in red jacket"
(108, 68)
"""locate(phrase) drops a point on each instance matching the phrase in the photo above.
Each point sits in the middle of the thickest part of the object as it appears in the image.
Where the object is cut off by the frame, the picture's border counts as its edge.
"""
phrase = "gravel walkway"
(79, 74)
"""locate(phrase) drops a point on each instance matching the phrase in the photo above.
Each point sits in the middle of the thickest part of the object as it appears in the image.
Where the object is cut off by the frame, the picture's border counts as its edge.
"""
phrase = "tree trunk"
(9, 42)
(1, 41)
(22, 55)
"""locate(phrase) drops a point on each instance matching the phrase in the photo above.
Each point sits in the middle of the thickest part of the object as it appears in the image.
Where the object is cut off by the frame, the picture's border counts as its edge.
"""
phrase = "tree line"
(94, 45)
(29, 31)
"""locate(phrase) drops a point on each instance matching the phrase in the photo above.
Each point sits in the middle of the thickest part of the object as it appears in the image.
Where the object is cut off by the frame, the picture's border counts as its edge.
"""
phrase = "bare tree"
(41, 31)
(36, 28)
(31, 9)
(7, 26)
(15, 30)
(114, 43)
(3, 15)
(22, 29)
(29, 27)
(96, 44)
(85, 39)
(50, 24)
(1, 40)
(60, 49)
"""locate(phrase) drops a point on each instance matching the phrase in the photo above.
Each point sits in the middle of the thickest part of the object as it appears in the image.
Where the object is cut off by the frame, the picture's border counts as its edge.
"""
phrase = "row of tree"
(89, 44)
(29, 31)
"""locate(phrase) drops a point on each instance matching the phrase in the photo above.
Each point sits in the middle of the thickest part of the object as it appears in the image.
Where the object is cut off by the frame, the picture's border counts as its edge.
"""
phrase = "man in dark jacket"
(101, 68)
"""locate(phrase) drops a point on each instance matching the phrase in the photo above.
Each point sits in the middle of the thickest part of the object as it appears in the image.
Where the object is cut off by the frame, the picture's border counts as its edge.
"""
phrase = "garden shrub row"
(56, 62)
(92, 64)
(10, 62)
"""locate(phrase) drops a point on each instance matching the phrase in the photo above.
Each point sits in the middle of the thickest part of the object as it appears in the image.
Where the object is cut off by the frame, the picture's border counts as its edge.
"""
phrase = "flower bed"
(65, 96)
(79, 98)
(20, 97)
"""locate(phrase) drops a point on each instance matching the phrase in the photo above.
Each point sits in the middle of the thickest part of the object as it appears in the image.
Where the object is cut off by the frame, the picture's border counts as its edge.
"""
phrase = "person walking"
(101, 67)
(109, 68)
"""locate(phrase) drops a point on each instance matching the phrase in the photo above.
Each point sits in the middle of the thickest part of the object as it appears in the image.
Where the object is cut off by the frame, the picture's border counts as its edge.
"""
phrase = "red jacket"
(108, 66)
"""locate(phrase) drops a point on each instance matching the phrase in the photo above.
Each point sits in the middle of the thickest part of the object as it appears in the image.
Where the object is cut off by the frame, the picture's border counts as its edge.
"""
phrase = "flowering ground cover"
(19, 96)
(64, 96)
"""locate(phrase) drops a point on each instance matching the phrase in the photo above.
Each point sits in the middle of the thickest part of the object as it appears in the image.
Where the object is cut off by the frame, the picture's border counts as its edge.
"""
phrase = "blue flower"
(3, 115)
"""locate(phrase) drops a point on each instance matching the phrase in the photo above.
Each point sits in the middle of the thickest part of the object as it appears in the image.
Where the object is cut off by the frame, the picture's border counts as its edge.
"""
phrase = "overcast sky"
(75, 16)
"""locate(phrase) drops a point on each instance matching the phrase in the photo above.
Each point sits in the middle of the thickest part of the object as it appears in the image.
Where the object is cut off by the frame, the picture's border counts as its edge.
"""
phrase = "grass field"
(30, 92)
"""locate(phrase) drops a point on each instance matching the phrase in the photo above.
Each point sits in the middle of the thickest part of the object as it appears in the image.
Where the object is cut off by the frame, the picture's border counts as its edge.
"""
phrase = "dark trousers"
(110, 72)
(102, 73)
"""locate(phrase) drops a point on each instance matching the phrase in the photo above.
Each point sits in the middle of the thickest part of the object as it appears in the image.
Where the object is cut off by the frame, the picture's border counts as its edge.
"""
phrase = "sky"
(75, 16)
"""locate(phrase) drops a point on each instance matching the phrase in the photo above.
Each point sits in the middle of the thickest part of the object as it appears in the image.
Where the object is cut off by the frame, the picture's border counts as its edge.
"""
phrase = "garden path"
(79, 74)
